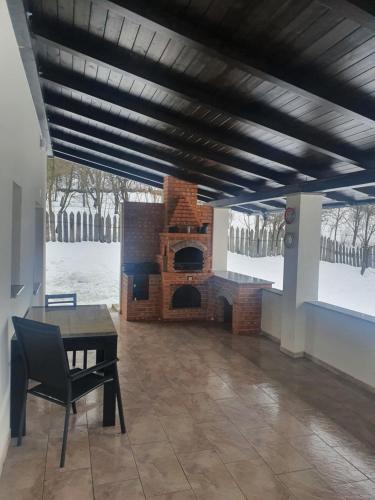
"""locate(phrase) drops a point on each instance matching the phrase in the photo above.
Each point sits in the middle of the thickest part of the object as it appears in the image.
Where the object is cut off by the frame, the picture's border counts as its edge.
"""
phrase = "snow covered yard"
(339, 284)
(91, 269)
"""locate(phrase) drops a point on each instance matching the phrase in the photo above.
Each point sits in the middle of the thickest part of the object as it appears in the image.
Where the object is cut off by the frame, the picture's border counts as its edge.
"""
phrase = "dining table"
(83, 328)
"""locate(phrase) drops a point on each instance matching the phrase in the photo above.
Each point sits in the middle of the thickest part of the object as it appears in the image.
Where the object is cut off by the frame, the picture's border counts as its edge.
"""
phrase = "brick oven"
(167, 265)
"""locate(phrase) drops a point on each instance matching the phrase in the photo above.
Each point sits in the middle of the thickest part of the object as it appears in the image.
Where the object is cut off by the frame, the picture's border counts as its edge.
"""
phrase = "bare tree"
(276, 223)
(354, 219)
(366, 234)
(248, 221)
(338, 216)
(66, 187)
(51, 183)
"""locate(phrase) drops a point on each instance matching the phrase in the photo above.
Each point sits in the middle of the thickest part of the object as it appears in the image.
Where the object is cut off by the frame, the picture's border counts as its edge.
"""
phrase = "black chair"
(65, 300)
(42, 349)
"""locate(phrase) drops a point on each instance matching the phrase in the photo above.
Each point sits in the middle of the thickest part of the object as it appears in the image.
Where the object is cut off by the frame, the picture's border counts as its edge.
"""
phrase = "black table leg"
(109, 399)
(17, 388)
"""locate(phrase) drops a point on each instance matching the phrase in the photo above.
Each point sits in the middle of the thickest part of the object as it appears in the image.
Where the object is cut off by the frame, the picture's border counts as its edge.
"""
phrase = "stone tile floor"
(209, 416)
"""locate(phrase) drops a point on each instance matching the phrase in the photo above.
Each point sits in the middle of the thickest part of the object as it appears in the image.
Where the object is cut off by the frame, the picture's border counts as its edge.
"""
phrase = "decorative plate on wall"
(290, 215)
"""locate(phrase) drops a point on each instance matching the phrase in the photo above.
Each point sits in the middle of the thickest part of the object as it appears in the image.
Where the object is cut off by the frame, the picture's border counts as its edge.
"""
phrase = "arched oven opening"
(186, 296)
(188, 259)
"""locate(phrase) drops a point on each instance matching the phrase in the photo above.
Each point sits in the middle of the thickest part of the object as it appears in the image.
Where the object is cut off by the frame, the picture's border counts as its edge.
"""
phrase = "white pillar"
(220, 239)
(301, 268)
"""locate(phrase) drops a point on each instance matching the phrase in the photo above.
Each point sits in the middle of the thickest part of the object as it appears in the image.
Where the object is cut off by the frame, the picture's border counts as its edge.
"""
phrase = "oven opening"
(188, 259)
(186, 296)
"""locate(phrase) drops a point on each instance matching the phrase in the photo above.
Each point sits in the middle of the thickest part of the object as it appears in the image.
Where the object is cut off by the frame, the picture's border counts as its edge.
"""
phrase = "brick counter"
(244, 294)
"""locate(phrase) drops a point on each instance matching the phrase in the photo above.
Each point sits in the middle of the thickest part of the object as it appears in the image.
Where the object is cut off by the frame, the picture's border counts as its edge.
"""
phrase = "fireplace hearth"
(167, 265)
(188, 259)
(186, 296)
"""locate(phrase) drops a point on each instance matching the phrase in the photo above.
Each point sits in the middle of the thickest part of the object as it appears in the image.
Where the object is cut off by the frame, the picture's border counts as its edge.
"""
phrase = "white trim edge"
(4, 443)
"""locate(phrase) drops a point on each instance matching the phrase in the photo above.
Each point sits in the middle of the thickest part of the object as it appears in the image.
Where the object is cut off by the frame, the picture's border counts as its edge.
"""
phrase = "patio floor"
(209, 416)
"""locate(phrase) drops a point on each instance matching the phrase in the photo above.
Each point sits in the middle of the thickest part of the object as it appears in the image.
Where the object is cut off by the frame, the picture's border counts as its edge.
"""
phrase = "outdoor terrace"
(261, 106)
(209, 416)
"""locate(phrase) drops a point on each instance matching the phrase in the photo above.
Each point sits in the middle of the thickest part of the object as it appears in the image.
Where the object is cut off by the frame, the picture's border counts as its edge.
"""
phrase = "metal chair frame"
(57, 381)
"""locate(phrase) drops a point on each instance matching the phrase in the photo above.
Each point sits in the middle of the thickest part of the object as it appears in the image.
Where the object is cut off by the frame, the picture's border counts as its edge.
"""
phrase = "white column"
(220, 239)
(301, 268)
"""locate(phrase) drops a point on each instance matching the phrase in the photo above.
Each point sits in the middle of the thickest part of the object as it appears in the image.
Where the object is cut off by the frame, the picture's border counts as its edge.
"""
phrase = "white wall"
(340, 338)
(21, 161)
(271, 312)
(220, 239)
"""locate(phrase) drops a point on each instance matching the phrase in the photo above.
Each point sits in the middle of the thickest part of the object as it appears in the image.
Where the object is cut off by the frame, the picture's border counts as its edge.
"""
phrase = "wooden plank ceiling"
(250, 99)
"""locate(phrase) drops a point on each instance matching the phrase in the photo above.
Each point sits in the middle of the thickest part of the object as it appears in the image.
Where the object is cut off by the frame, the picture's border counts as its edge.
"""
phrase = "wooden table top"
(80, 321)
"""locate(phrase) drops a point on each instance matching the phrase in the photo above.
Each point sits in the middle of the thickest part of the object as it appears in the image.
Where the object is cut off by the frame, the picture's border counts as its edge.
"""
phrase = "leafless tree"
(366, 234)
(354, 219)
(338, 216)
(276, 222)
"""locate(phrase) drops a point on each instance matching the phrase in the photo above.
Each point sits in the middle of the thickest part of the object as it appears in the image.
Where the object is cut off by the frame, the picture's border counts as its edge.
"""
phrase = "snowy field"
(339, 284)
(90, 269)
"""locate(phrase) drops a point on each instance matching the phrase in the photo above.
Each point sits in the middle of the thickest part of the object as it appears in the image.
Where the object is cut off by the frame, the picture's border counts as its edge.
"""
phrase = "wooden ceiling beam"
(101, 92)
(143, 163)
(212, 41)
(104, 118)
(356, 179)
(144, 149)
(73, 82)
(203, 194)
(360, 11)
(61, 139)
(256, 114)
(91, 161)
(69, 154)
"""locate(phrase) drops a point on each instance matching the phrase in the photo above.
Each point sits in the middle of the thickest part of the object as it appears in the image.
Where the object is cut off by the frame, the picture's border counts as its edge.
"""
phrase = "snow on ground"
(339, 284)
(91, 269)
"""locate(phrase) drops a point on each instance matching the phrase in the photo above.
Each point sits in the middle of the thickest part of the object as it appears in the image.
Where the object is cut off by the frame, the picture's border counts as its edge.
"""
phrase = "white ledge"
(342, 310)
(273, 290)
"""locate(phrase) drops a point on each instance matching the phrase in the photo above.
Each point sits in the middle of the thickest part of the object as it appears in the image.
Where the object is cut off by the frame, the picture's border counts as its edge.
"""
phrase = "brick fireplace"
(167, 265)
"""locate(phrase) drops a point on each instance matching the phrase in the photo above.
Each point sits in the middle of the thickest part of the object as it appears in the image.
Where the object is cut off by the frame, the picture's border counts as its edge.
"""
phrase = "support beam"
(351, 203)
(360, 11)
(71, 82)
(93, 148)
(75, 126)
(354, 180)
(213, 42)
(203, 195)
(141, 162)
(301, 269)
(22, 33)
(260, 115)
(60, 103)
(107, 118)
(100, 163)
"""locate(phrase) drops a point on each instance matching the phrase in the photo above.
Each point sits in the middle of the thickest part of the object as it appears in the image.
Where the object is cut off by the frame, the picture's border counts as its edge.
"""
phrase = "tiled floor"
(210, 416)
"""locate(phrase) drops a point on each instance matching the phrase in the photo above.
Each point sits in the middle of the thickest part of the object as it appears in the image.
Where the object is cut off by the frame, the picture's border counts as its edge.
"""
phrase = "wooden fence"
(82, 226)
(253, 244)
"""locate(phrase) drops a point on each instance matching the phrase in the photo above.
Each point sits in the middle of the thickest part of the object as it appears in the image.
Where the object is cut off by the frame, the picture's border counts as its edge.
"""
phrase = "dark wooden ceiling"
(247, 98)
